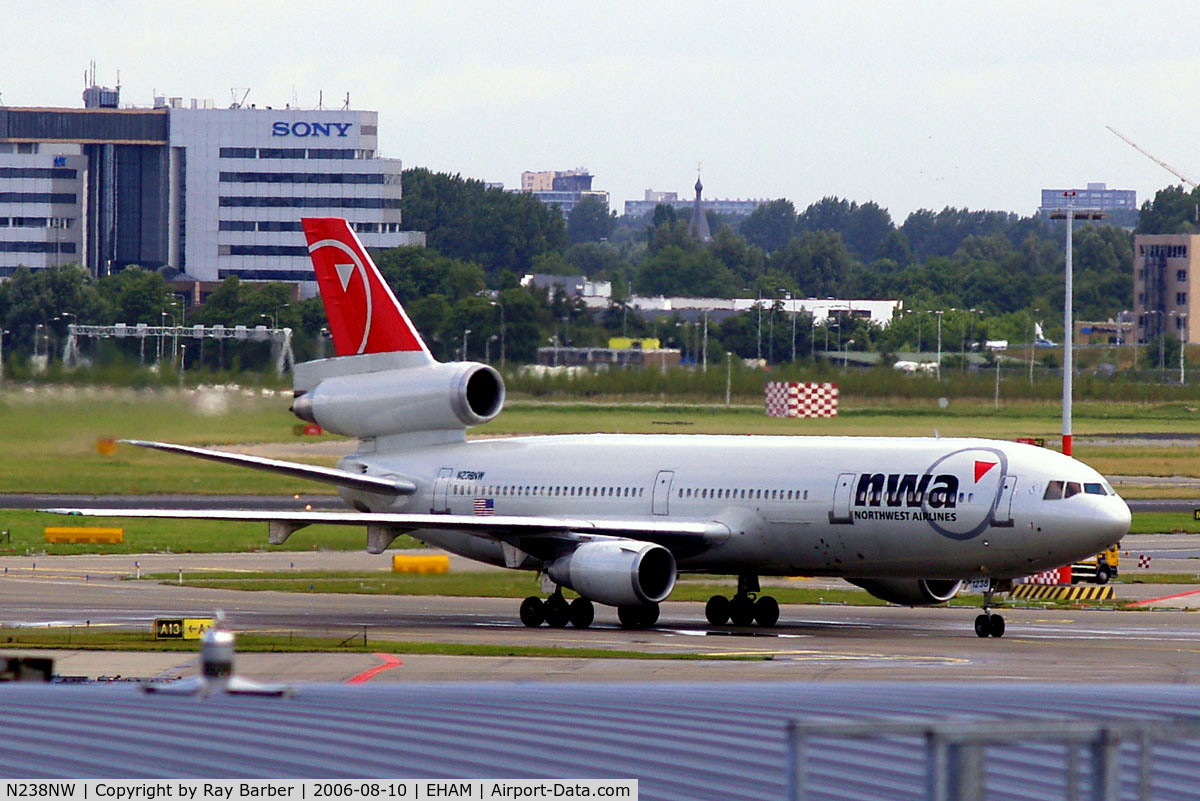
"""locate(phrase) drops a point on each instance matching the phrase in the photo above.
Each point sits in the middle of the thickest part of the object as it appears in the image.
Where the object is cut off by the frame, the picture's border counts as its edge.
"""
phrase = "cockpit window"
(1054, 491)
(1073, 488)
(1094, 489)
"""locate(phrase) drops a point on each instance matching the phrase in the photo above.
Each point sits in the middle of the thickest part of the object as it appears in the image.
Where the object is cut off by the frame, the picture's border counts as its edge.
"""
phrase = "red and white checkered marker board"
(801, 399)
(1143, 561)
(1059, 575)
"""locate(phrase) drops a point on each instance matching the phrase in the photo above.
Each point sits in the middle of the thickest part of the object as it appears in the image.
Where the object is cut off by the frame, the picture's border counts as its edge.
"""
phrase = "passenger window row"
(722, 493)
(542, 490)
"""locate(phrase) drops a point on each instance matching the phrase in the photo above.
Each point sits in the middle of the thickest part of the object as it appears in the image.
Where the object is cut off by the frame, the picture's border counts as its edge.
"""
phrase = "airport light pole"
(1182, 347)
(2, 333)
(1031, 338)
(996, 353)
(466, 333)
(1181, 330)
(61, 316)
(758, 347)
(939, 313)
(839, 344)
(500, 306)
(1070, 214)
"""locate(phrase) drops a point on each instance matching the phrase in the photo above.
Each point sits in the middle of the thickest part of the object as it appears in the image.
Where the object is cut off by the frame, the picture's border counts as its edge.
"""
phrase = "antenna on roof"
(238, 103)
(346, 105)
(320, 99)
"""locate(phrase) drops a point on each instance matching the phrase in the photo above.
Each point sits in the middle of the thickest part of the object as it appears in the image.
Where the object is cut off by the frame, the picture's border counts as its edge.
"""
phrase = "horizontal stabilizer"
(327, 475)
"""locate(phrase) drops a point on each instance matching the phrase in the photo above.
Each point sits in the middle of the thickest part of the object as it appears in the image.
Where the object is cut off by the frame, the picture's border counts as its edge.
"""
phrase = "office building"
(1119, 205)
(562, 188)
(1164, 268)
(725, 206)
(207, 192)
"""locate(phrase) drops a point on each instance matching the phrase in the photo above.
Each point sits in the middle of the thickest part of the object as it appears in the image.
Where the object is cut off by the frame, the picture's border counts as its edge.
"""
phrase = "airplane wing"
(532, 534)
(327, 475)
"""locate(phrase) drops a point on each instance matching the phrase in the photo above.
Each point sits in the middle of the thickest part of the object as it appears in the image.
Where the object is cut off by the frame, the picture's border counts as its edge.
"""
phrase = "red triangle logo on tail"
(364, 316)
(982, 468)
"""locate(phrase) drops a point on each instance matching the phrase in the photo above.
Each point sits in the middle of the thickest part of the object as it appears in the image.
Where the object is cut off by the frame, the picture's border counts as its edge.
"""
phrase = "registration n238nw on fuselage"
(616, 517)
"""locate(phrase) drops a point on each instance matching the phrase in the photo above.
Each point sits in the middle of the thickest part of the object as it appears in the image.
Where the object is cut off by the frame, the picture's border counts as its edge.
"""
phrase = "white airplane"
(616, 517)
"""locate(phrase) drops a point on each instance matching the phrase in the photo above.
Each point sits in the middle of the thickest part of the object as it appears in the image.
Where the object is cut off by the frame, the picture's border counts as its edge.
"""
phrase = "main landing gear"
(987, 625)
(745, 608)
(556, 612)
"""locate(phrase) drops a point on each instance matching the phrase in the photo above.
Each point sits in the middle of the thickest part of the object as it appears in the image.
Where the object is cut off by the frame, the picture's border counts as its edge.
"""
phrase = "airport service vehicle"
(1099, 569)
(617, 517)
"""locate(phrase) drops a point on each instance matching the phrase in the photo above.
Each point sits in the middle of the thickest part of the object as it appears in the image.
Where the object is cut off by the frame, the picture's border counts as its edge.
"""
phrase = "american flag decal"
(484, 506)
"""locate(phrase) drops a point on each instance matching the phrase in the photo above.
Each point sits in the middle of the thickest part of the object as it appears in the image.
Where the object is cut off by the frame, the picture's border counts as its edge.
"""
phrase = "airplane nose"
(1111, 522)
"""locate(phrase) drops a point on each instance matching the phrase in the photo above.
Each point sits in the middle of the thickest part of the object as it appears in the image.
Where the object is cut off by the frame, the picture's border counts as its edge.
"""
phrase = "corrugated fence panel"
(693, 741)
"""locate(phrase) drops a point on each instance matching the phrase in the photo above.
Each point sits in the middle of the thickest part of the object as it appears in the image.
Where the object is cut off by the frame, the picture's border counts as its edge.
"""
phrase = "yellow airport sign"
(181, 628)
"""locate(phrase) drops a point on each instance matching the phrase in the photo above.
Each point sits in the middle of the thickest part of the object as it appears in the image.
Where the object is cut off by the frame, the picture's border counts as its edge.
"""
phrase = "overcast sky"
(910, 104)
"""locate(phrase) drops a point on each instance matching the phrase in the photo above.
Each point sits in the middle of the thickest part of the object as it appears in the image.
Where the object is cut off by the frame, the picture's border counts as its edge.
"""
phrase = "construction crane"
(1152, 157)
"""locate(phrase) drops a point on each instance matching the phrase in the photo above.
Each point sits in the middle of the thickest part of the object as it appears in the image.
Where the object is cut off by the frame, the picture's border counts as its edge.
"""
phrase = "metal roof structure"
(681, 741)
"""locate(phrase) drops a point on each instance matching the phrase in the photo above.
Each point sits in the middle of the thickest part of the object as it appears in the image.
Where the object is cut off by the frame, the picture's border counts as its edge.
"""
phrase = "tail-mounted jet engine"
(428, 397)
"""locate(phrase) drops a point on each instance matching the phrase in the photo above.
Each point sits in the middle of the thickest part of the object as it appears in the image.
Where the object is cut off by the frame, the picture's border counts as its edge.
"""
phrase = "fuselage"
(838, 506)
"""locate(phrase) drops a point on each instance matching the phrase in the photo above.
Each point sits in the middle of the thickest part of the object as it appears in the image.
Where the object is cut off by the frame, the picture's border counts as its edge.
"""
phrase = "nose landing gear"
(989, 625)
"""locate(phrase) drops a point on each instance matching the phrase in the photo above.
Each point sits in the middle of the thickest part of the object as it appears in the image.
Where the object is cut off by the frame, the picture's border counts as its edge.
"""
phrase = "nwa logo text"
(911, 490)
(929, 497)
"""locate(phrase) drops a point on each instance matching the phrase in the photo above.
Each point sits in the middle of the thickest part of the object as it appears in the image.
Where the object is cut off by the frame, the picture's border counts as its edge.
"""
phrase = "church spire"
(698, 225)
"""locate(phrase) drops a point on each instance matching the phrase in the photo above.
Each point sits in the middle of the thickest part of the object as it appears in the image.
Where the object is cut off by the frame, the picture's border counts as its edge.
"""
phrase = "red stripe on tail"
(364, 315)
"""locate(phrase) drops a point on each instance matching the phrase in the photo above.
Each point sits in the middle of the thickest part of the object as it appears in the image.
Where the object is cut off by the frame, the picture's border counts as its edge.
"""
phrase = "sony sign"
(281, 128)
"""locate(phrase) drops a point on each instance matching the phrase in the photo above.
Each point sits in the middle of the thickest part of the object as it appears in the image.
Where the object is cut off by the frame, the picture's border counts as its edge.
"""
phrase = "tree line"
(990, 274)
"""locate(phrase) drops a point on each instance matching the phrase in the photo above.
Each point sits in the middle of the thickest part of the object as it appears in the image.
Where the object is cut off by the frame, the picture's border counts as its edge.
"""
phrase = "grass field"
(26, 536)
(101, 639)
(48, 440)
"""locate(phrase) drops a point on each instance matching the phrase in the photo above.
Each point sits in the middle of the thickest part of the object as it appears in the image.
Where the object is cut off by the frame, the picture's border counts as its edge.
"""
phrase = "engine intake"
(617, 572)
(921, 592)
(429, 397)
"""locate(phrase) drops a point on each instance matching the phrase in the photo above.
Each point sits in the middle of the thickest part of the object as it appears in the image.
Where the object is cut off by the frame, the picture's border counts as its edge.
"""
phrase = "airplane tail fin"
(364, 315)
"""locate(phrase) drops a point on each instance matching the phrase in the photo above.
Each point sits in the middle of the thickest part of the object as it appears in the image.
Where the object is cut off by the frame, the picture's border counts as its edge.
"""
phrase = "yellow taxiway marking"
(844, 657)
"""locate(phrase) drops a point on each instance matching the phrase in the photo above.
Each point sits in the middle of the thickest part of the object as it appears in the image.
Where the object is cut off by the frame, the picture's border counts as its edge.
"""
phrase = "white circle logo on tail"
(344, 273)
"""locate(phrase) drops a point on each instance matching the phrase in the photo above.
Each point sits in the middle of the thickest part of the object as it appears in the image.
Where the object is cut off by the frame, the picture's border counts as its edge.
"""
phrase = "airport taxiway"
(811, 642)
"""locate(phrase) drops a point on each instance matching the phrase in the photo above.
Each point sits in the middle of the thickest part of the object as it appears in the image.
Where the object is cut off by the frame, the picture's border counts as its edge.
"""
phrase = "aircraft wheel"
(996, 625)
(533, 611)
(558, 612)
(717, 610)
(983, 626)
(582, 613)
(638, 617)
(766, 611)
(741, 610)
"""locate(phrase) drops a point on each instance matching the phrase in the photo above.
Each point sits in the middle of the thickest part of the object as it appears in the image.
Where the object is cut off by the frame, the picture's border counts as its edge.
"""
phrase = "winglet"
(364, 315)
